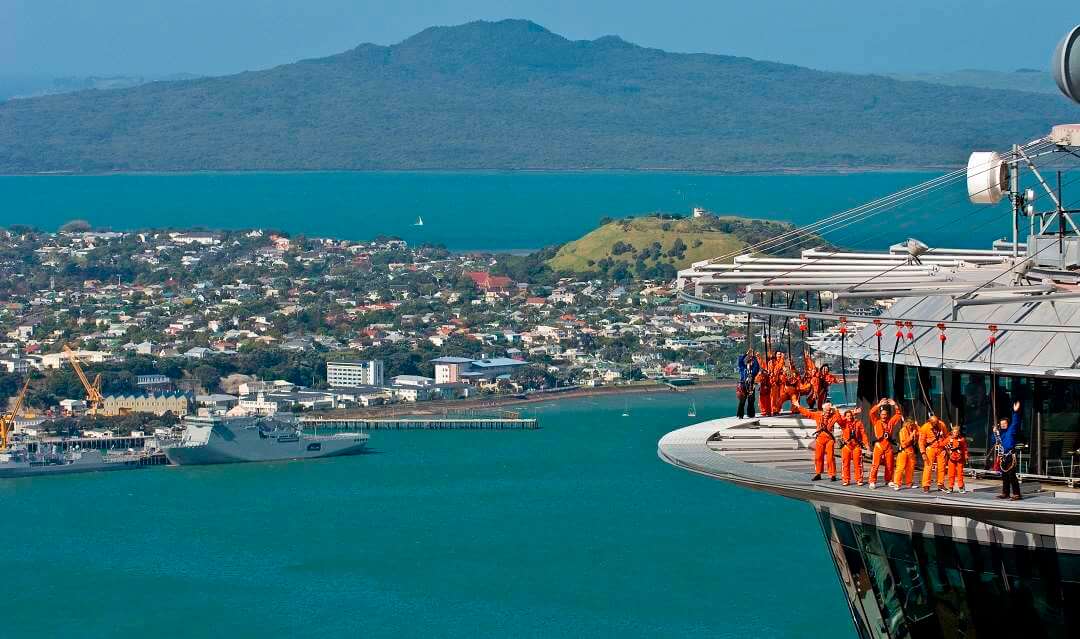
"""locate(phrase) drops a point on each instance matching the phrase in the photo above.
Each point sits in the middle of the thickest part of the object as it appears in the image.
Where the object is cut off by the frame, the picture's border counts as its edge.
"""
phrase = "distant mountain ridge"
(513, 95)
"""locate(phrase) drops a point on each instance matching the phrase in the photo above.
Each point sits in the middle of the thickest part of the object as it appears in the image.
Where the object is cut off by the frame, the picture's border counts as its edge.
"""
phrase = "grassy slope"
(640, 233)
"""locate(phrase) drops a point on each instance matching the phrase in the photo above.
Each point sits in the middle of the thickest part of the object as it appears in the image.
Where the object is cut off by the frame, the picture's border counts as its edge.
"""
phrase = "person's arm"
(1014, 423)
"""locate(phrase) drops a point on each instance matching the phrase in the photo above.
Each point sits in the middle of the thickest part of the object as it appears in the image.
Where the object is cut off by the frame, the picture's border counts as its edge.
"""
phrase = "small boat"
(693, 410)
(419, 221)
(626, 409)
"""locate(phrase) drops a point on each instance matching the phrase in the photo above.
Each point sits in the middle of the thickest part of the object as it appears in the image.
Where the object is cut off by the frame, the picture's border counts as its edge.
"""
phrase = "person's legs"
(741, 410)
(750, 404)
(830, 456)
(856, 460)
(875, 462)
(845, 465)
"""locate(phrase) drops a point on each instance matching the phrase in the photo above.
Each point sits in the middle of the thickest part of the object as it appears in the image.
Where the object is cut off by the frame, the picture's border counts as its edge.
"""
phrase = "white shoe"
(894, 485)
(872, 485)
(960, 490)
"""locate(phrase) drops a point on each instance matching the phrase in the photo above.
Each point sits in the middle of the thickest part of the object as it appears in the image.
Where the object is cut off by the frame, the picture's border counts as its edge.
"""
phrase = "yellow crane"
(93, 390)
(8, 418)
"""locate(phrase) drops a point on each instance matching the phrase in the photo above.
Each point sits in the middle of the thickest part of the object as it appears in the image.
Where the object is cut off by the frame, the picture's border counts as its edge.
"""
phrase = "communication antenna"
(1066, 65)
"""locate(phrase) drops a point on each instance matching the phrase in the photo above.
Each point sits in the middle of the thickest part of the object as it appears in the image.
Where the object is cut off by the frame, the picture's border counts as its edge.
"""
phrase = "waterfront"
(572, 530)
(475, 210)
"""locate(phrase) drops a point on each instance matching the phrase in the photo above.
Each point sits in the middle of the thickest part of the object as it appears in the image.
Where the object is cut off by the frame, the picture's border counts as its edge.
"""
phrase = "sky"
(214, 37)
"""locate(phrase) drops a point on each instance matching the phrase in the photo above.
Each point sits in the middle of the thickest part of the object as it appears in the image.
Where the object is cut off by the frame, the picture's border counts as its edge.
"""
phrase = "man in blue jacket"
(1008, 430)
(748, 370)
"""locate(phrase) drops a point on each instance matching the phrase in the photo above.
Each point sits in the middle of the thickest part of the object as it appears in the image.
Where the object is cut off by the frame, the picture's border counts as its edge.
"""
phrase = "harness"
(953, 451)
(910, 444)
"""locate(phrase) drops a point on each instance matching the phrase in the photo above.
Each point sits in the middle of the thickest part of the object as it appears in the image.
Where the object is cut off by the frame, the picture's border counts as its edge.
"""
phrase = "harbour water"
(477, 210)
(573, 530)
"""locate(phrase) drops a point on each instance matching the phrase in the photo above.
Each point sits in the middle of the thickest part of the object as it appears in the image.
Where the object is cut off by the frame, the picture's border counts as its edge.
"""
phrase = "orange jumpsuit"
(932, 447)
(776, 383)
(905, 459)
(764, 385)
(956, 455)
(824, 439)
(819, 385)
(883, 449)
(806, 381)
(853, 433)
(790, 387)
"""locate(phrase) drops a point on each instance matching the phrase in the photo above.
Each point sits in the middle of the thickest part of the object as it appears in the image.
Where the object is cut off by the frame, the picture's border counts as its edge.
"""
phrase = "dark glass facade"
(911, 585)
(1050, 409)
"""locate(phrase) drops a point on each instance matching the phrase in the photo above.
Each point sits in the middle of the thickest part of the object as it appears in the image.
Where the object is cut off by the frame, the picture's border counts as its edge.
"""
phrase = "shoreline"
(446, 407)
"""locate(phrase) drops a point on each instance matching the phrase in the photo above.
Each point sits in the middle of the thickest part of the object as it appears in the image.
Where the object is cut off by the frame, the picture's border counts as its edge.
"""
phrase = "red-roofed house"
(490, 283)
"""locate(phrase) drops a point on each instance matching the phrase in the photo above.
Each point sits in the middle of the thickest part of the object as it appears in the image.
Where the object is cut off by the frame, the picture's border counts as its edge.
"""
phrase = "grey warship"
(19, 462)
(229, 440)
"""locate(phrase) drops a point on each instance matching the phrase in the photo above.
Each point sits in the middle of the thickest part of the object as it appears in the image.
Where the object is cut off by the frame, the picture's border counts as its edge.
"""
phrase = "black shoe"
(832, 478)
(1002, 496)
(816, 478)
(1015, 498)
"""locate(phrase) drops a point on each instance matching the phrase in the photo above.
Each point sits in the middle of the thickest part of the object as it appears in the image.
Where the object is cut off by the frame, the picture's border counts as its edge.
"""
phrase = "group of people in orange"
(897, 444)
(777, 381)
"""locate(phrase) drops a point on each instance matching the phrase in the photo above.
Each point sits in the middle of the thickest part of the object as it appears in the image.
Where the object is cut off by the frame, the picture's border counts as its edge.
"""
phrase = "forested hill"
(512, 95)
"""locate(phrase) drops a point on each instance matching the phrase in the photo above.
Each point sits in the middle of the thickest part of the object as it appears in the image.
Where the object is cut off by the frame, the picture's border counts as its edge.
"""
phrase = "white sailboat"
(419, 221)
(626, 408)
(693, 410)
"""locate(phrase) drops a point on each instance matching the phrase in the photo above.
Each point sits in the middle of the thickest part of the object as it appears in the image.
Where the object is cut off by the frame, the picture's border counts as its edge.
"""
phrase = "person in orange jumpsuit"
(790, 388)
(819, 384)
(806, 381)
(776, 382)
(854, 440)
(956, 456)
(885, 417)
(932, 436)
(904, 475)
(764, 384)
(824, 437)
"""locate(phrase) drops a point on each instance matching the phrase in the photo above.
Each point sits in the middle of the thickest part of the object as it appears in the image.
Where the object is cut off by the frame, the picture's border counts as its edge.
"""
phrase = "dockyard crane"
(93, 390)
(8, 418)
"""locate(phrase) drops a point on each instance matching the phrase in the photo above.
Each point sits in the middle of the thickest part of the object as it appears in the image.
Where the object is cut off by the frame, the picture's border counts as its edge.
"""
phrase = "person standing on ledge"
(1006, 434)
(904, 475)
(824, 437)
(853, 434)
(956, 455)
(932, 436)
(885, 417)
(748, 370)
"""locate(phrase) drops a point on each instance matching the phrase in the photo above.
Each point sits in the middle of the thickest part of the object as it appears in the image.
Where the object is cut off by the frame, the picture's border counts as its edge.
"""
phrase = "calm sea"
(483, 210)
(575, 530)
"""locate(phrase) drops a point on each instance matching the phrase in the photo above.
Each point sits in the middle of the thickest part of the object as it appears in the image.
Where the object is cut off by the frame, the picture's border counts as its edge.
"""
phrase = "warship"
(18, 461)
(226, 440)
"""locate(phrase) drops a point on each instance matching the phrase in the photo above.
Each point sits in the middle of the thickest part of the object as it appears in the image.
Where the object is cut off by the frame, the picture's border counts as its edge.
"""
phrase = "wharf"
(422, 423)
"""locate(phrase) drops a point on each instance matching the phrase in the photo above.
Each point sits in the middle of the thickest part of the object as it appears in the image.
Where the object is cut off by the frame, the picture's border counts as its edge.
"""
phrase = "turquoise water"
(483, 210)
(575, 530)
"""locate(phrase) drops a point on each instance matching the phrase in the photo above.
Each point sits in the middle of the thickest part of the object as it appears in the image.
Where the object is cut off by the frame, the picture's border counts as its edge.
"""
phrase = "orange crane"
(93, 390)
(8, 418)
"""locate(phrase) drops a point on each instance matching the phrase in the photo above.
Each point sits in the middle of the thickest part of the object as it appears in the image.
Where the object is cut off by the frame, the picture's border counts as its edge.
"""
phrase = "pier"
(423, 423)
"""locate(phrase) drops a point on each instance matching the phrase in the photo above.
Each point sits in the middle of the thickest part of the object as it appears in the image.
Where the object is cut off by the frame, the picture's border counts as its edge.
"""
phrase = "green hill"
(658, 245)
(513, 95)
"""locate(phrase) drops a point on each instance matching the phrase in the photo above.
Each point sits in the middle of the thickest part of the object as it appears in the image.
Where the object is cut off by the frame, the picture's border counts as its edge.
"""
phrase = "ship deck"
(774, 455)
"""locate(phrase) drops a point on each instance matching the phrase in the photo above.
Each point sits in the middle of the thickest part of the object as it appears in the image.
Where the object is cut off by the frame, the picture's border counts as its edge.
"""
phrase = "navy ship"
(228, 440)
(20, 462)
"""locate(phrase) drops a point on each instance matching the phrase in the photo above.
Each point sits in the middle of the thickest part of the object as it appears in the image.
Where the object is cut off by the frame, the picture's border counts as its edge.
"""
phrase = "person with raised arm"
(748, 371)
(904, 474)
(824, 437)
(1007, 432)
(885, 417)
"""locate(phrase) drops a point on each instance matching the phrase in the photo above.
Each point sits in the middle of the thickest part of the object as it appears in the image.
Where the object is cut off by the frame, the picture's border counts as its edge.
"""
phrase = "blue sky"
(226, 36)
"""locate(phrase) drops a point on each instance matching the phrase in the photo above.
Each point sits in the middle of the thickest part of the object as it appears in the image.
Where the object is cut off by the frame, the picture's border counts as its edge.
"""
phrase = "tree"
(207, 375)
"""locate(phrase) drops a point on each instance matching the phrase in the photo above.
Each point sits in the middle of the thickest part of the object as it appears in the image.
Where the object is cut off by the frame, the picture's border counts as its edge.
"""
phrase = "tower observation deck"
(960, 333)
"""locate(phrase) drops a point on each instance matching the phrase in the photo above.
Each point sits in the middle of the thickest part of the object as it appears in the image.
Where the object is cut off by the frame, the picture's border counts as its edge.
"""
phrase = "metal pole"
(1014, 179)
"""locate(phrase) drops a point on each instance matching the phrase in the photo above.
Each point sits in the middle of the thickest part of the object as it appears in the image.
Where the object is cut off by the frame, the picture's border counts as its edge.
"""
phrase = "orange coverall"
(764, 389)
(905, 459)
(956, 454)
(883, 449)
(932, 445)
(819, 385)
(824, 440)
(806, 381)
(854, 435)
(790, 387)
(776, 383)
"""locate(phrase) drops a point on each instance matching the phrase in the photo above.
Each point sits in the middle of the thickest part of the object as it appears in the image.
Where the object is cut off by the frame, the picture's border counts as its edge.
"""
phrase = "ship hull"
(243, 441)
(69, 468)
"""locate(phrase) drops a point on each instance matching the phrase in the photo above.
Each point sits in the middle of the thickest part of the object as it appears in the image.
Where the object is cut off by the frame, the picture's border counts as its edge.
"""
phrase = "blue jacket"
(1008, 436)
(747, 373)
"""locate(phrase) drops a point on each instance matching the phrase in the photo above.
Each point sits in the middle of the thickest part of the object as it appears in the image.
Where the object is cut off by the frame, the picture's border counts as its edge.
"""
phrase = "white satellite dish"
(1066, 65)
(987, 177)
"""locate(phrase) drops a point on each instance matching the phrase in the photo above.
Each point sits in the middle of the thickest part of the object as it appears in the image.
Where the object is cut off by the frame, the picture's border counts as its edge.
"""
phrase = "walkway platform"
(774, 455)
